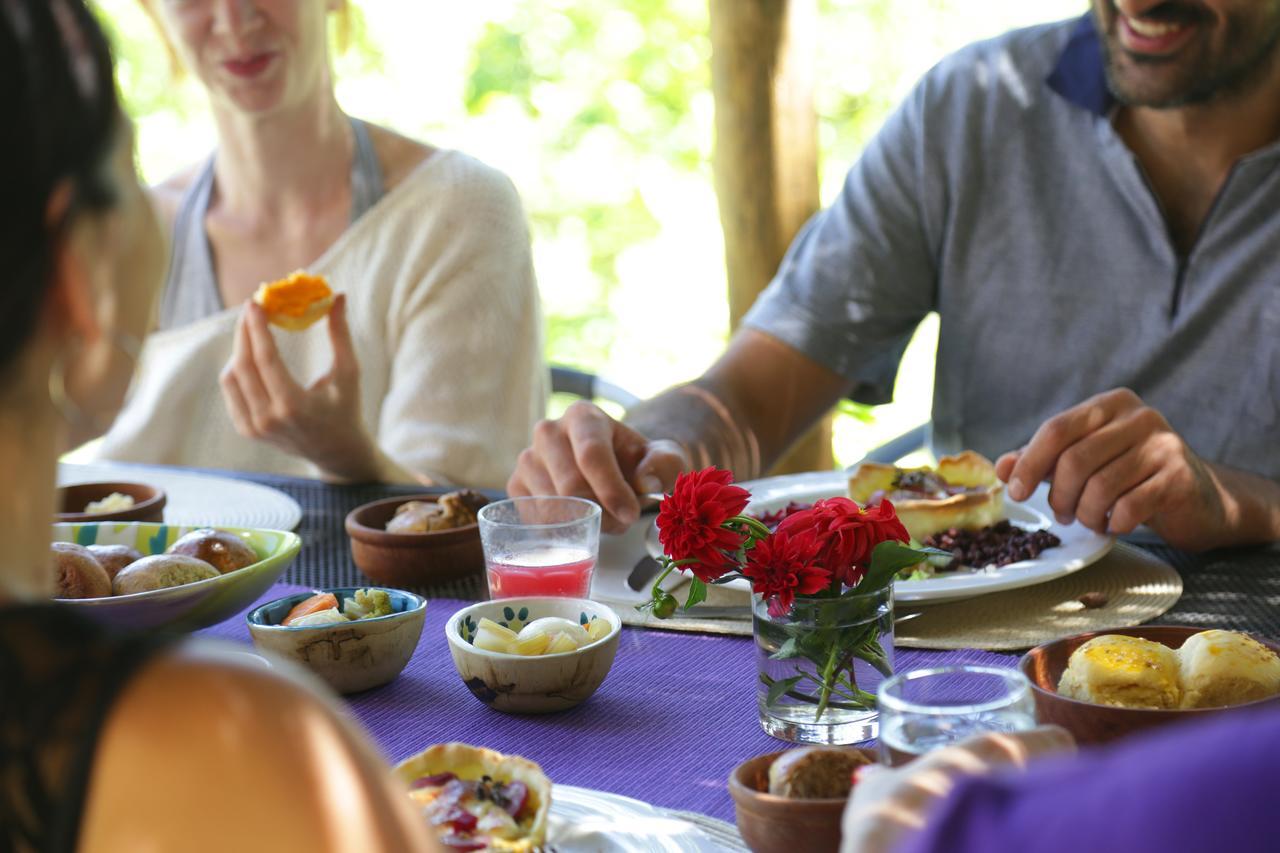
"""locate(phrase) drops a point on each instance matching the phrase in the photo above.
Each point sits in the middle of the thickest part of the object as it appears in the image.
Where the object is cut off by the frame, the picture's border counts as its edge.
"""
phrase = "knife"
(643, 573)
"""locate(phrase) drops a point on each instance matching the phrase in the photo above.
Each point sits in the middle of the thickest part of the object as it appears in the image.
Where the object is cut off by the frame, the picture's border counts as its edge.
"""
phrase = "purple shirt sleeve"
(1208, 785)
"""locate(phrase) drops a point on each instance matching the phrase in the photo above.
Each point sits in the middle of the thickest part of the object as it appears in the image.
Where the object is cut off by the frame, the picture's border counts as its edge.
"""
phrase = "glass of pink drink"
(540, 546)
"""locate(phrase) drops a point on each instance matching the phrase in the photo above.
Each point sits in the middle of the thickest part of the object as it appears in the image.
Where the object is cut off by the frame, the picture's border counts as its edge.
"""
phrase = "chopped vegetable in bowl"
(323, 608)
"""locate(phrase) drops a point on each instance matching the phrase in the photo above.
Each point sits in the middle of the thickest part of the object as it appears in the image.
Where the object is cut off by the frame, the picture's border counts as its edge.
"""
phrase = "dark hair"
(58, 96)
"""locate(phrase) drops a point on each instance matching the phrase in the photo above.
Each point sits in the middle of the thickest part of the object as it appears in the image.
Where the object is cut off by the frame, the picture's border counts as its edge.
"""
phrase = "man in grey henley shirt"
(1093, 209)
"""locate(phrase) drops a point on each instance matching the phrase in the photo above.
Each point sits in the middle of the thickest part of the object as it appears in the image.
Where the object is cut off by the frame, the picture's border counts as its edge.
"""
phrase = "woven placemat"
(1136, 586)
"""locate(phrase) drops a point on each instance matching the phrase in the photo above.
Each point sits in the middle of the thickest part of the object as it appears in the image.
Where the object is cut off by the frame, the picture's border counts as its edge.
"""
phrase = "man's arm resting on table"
(757, 399)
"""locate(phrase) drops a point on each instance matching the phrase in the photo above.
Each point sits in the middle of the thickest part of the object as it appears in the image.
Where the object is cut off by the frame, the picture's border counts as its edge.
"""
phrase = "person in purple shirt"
(1203, 786)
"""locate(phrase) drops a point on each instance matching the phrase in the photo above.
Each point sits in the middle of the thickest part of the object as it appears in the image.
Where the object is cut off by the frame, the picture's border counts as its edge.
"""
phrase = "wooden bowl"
(1097, 724)
(148, 503)
(772, 824)
(411, 559)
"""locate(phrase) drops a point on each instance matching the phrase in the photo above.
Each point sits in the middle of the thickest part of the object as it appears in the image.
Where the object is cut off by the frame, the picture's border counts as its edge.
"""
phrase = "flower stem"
(828, 671)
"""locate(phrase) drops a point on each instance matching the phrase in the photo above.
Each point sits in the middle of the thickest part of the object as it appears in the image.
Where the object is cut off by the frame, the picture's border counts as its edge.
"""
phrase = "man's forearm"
(699, 420)
(1251, 504)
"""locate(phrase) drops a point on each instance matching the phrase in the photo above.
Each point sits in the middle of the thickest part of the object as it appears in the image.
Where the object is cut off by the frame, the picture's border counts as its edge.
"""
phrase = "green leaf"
(789, 649)
(777, 688)
(887, 560)
(697, 593)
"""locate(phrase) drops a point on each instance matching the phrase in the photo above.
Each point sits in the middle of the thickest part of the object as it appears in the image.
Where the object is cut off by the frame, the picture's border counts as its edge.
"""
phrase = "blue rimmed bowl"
(349, 656)
(536, 684)
(190, 606)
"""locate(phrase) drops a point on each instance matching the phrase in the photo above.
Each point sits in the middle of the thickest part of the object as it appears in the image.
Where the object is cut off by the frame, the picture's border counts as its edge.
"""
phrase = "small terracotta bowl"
(1097, 724)
(411, 559)
(773, 824)
(351, 656)
(537, 684)
(148, 503)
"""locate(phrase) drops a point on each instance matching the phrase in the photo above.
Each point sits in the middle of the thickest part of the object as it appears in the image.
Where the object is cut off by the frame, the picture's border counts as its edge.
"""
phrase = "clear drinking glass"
(925, 709)
(540, 546)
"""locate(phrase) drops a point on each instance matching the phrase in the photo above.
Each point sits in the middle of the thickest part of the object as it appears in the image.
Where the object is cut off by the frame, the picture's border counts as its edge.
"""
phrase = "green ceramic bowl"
(193, 605)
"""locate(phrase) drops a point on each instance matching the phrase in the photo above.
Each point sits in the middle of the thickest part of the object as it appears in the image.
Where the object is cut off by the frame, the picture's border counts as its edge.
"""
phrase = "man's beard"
(1249, 52)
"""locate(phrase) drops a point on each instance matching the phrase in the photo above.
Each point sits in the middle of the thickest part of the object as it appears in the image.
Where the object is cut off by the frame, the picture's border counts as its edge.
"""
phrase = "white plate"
(583, 820)
(1080, 545)
(196, 500)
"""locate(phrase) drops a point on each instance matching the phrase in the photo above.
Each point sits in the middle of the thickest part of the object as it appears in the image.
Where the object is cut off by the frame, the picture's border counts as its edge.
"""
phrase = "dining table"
(677, 711)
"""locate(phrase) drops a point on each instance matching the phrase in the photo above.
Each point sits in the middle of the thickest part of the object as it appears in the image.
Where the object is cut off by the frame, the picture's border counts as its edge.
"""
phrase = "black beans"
(997, 545)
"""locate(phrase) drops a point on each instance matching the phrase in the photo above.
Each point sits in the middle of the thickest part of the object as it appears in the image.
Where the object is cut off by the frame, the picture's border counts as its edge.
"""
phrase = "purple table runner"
(676, 714)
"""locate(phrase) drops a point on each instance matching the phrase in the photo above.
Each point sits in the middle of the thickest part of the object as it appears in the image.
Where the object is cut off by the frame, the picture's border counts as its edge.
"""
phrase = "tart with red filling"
(961, 492)
(478, 799)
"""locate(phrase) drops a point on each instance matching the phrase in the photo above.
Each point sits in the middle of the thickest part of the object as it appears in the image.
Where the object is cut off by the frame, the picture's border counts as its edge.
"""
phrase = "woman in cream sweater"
(430, 365)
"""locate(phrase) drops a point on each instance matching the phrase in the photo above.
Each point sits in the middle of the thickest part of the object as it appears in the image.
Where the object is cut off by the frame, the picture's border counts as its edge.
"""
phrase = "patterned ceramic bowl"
(190, 606)
(349, 656)
(537, 684)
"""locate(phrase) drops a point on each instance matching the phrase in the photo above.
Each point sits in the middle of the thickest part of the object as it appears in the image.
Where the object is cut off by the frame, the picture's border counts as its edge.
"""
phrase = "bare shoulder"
(397, 154)
(208, 748)
(167, 195)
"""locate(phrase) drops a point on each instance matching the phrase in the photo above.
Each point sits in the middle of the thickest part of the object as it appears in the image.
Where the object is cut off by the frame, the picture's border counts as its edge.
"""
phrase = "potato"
(113, 558)
(161, 571)
(225, 551)
(79, 574)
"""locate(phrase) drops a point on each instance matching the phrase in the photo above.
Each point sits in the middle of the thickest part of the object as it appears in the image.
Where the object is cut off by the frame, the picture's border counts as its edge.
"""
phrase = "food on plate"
(815, 772)
(997, 545)
(550, 635)
(962, 492)
(114, 502)
(449, 511)
(295, 301)
(1221, 668)
(478, 799)
(221, 549)
(161, 571)
(323, 608)
(113, 558)
(79, 574)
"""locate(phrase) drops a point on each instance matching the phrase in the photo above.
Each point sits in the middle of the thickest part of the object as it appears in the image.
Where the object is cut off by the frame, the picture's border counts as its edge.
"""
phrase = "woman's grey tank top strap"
(366, 173)
(191, 287)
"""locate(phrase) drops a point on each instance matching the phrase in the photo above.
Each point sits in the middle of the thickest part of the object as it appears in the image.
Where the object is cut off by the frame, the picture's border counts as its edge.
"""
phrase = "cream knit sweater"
(444, 313)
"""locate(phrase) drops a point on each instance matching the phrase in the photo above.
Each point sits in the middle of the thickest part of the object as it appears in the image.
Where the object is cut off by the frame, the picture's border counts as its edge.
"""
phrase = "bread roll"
(161, 571)
(1128, 672)
(1226, 668)
(113, 558)
(78, 574)
(815, 772)
(221, 549)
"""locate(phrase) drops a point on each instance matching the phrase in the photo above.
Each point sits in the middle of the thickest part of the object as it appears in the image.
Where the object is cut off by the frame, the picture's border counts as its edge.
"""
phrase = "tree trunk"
(766, 154)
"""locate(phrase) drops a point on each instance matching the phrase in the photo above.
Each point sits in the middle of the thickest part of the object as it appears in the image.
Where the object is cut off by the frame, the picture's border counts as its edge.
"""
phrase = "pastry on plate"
(473, 796)
(1128, 672)
(1222, 668)
(295, 301)
(961, 492)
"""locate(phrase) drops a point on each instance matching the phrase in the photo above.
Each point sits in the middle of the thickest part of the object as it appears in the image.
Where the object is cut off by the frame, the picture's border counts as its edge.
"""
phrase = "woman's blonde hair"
(342, 28)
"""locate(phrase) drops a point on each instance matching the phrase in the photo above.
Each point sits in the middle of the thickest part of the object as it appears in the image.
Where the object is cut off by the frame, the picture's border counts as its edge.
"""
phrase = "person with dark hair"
(110, 741)
(429, 367)
(1090, 207)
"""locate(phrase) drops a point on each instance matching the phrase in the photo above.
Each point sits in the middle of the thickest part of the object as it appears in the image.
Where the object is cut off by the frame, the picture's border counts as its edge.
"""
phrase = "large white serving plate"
(586, 821)
(197, 500)
(1080, 545)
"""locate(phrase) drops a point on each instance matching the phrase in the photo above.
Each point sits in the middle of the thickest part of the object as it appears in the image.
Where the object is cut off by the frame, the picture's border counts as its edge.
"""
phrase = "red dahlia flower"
(690, 519)
(847, 534)
(786, 565)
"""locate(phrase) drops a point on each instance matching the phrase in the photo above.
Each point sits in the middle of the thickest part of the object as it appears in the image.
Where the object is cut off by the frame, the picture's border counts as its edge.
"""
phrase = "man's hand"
(1115, 463)
(887, 804)
(588, 454)
(321, 423)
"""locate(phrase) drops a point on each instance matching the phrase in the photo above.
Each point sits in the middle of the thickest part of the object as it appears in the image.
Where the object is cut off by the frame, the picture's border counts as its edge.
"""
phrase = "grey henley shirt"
(999, 195)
